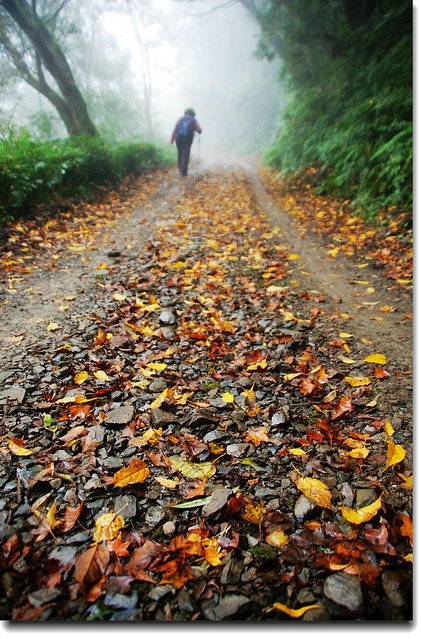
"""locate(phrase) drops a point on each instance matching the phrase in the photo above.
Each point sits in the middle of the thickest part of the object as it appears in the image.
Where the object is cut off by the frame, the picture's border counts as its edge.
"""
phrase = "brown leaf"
(71, 516)
(91, 565)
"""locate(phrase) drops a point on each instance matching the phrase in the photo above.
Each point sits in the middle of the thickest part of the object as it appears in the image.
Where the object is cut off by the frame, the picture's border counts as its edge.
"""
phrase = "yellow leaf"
(365, 340)
(376, 358)
(358, 381)
(118, 297)
(150, 436)
(337, 567)
(107, 527)
(373, 402)
(258, 435)
(212, 551)
(157, 366)
(347, 360)
(291, 612)
(52, 326)
(395, 454)
(228, 398)
(17, 447)
(389, 430)
(359, 453)
(135, 473)
(293, 256)
(333, 252)
(178, 265)
(329, 397)
(277, 538)
(202, 470)
(408, 481)
(81, 377)
(102, 375)
(167, 483)
(262, 364)
(160, 399)
(289, 376)
(361, 515)
(255, 514)
(345, 335)
(409, 557)
(298, 452)
(50, 517)
(249, 394)
(316, 491)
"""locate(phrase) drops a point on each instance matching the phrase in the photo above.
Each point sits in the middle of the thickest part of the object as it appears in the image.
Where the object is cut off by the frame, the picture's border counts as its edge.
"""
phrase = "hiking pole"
(198, 148)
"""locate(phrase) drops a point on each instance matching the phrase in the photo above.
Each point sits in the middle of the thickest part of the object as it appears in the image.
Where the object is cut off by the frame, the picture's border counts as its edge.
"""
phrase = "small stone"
(167, 317)
(396, 588)
(280, 417)
(168, 528)
(126, 506)
(365, 496)
(218, 500)
(306, 597)
(43, 596)
(163, 417)
(112, 462)
(65, 555)
(304, 508)
(154, 515)
(120, 415)
(159, 384)
(229, 606)
(125, 602)
(343, 594)
(231, 572)
(316, 614)
(237, 450)
(15, 393)
(160, 591)
(347, 494)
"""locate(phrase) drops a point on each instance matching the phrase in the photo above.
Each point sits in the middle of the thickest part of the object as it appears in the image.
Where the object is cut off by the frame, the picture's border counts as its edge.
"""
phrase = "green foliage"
(41, 172)
(350, 110)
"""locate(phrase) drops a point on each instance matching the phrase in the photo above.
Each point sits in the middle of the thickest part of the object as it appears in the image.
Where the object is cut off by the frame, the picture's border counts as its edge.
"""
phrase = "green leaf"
(193, 503)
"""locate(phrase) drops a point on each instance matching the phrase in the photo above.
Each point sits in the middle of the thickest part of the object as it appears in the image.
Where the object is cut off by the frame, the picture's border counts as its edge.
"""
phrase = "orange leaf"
(255, 514)
(277, 538)
(135, 473)
(257, 435)
(91, 565)
(407, 528)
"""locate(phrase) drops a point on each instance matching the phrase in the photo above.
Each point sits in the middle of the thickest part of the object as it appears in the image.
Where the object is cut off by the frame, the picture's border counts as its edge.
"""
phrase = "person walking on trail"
(183, 136)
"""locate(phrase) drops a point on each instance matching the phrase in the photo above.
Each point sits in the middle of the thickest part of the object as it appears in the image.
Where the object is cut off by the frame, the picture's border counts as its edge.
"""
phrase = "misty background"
(141, 63)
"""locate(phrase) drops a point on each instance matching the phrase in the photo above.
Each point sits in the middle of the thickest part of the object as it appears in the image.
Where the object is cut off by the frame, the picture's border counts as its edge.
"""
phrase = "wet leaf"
(361, 515)
(395, 454)
(294, 612)
(81, 377)
(316, 491)
(107, 526)
(135, 473)
(255, 514)
(202, 470)
(17, 447)
(358, 381)
(277, 538)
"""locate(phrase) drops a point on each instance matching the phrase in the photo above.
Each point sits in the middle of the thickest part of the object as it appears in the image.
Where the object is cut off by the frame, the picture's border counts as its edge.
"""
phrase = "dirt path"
(180, 368)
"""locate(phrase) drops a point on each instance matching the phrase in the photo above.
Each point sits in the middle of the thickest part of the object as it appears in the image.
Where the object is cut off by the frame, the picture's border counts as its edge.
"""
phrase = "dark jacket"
(195, 127)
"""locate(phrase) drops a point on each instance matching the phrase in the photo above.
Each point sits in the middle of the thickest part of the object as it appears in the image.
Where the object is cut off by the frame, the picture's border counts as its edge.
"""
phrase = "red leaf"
(91, 565)
(344, 406)
(71, 516)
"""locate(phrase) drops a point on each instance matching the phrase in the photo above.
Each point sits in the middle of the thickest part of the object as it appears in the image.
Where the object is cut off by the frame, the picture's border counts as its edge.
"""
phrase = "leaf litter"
(211, 434)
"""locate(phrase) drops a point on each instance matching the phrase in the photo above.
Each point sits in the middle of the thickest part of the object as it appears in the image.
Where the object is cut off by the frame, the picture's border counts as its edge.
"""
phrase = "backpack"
(185, 128)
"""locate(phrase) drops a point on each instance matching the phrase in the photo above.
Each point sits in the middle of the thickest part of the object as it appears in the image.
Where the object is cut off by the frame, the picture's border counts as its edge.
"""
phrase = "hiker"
(183, 135)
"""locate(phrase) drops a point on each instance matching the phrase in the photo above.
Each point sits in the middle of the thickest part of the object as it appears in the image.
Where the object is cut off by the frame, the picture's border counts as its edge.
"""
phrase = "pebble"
(344, 592)
(229, 606)
(160, 591)
(43, 596)
(168, 528)
(112, 462)
(159, 384)
(237, 450)
(154, 515)
(304, 508)
(365, 496)
(126, 506)
(217, 502)
(167, 317)
(163, 417)
(395, 587)
(120, 415)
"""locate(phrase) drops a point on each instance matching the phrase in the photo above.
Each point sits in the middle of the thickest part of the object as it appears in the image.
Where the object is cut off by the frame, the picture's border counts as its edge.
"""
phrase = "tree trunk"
(72, 108)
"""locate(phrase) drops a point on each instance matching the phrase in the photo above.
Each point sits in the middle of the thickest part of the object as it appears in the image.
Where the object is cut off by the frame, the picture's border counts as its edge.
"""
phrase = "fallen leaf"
(228, 398)
(359, 453)
(358, 381)
(376, 358)
(257, 435)
(167, 483)
(406, 529)
(395, 454)
(91, 565)
(81, 377)
(17, 447)
(277, 538)
(107, 526)
(52, 326)
(294, 612)
(315, 490)
(102, 375)
(202, 470)
(255, 514)
(135, 473)
(361, 515)
(194, 503)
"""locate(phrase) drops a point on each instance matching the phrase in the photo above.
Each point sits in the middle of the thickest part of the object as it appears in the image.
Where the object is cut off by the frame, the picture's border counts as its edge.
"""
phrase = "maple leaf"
(315, 490)
(135, 473)
(344, 406)
(361, 515)
(257, 435)
(294, 612)
(107, 526)
(212, 551)
(176, 573)
(255, 514)
(228, 398)
(277, 538)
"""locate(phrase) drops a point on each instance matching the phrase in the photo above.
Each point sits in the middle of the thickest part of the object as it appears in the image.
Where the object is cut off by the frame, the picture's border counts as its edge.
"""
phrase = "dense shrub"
(41, 172)
(350, 77)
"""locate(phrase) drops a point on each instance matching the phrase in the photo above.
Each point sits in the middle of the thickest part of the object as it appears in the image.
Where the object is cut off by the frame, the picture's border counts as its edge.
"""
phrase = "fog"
(141, 63)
